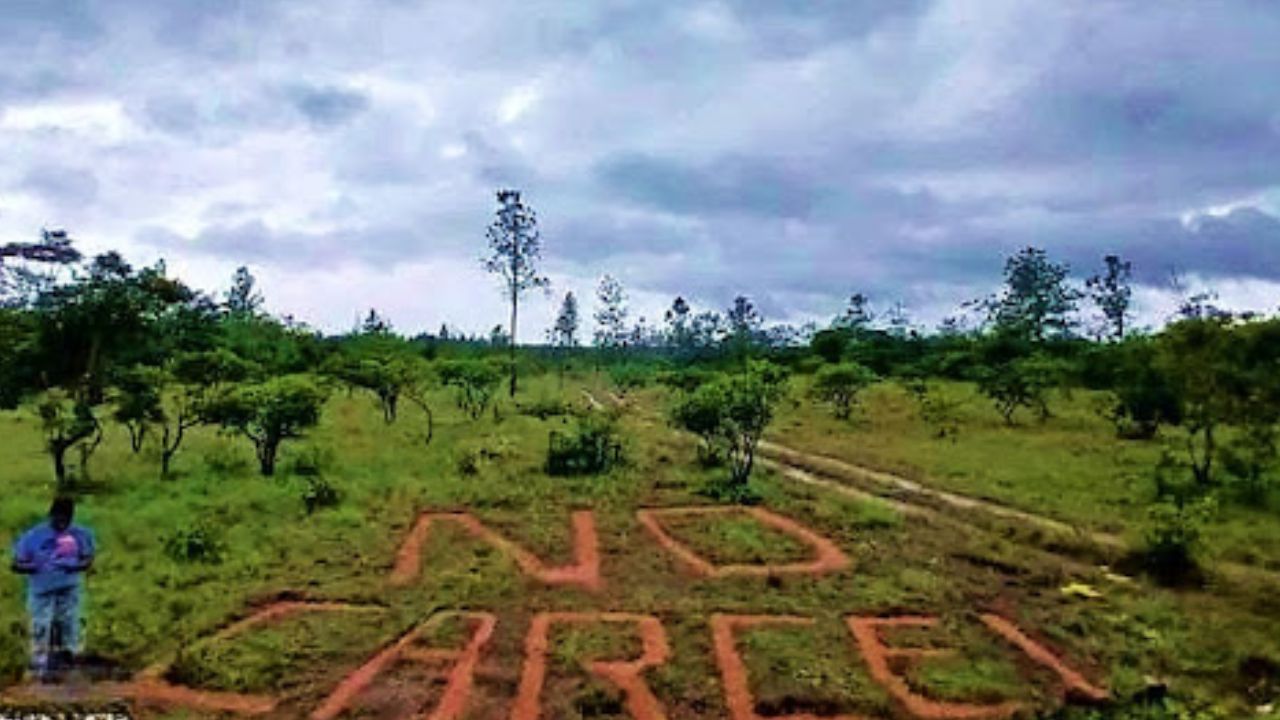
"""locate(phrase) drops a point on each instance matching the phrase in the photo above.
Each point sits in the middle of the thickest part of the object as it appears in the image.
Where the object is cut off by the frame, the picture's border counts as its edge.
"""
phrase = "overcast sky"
(347, 151)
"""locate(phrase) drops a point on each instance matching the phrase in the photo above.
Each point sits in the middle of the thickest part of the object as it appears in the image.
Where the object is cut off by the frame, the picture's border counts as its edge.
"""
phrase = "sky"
(348, 151)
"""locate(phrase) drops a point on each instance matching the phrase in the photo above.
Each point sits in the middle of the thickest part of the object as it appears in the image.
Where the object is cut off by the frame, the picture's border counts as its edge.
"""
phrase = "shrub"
(731, 413)
(839, 386)
(1173, 536)
(590, 448)
(630, 376)
(686, 379)
(224, 459)
(474, 381)
(939, 413)
(318, 493)
(544, 408)
(311, 460)
(199, 543)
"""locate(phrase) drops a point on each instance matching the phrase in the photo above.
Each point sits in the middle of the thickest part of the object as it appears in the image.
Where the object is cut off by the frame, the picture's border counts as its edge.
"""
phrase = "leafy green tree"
(1111, 292)
(610, 314)
(19, 284)
(679, 334)
(745, 325)
(564, 333)
(730, 414)
(474, 382)
(243, 299)
(831, 344)
(516, 250)
(839, 386)
(1037, 300)
(67, 421)
(138, 402)
(1194, 356)
(269, 413)
(1013, 376)
(1141, 397)
(857, 317)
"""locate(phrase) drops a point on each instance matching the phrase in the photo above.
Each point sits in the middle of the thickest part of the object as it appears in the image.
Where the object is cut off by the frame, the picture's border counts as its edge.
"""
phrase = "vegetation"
(1157, 449)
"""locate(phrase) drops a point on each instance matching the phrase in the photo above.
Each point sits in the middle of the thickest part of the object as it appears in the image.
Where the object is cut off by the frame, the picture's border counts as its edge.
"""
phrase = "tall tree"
(1037, 300)
(679, 334)
(857, 316)
(243, 298)
(1111, 292)
(375, 324)
(610, 314)
(564, 334)
(18, 284)
(744, 325)
(516, 249)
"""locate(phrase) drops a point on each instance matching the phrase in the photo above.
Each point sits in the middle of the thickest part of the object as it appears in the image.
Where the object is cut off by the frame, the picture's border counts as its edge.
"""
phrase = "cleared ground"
(148, 609)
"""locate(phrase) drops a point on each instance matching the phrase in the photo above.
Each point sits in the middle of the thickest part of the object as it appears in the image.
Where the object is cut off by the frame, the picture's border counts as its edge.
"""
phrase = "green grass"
(735, 539)
(1072, 467)
(144, 607)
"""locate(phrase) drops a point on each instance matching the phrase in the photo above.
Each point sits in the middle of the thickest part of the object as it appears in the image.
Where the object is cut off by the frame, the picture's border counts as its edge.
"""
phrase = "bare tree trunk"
(515, 302)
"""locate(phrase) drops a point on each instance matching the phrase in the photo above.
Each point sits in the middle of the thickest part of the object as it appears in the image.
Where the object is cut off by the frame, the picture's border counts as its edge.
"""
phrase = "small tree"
(679, 336)
(1037, 301)
(269, 413)
(840, 385)
(730, 414)
(857, 317)
(474, 381)
(67, 422)
(564, 333)
(243, 298)
(138, 403)
(1021, 383)
(1112, 294)
(516, 250)
(610, 314)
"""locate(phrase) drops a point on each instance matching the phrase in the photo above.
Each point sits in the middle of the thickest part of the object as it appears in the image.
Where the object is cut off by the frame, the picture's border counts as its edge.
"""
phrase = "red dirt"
(586, 549)
(1073, 682)
(880, 656)
(626, 674)
(151, 692)
(827, 557)
(458, 689)
(737, 688)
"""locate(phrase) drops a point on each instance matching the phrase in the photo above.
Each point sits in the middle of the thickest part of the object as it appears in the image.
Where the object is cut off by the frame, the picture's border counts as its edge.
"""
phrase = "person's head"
(61, 512)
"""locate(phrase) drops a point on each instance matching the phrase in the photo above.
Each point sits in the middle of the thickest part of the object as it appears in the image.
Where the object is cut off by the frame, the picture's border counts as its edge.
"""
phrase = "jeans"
(55, 625)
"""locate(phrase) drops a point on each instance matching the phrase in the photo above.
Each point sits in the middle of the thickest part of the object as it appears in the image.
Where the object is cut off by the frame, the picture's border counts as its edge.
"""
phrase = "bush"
(475, 382)
(591, 448)
(686, 379)
(311, 460)
(631, 376)
(1173, 537)
(318, 493)
(731, 413)
(225, 459)
(839, 386)
(200, 543)
(939, 413)
(544, 408)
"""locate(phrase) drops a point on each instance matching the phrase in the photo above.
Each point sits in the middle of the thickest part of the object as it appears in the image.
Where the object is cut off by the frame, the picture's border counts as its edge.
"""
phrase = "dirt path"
(918, 499)
(906, 491)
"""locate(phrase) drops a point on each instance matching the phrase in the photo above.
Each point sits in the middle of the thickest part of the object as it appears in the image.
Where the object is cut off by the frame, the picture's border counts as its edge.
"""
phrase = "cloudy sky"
(347, 150)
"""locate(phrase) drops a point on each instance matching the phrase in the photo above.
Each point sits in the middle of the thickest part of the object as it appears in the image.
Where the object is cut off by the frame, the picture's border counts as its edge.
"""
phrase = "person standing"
(54, 556)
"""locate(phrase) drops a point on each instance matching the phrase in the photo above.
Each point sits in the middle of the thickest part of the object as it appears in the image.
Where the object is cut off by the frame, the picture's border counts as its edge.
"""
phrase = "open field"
(1208, 646)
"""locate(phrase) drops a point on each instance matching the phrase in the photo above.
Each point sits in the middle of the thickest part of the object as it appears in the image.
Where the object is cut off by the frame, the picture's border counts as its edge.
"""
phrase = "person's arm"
(24, 560)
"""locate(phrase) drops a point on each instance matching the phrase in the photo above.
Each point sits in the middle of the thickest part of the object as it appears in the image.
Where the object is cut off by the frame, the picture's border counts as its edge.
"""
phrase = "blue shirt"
(38, 547)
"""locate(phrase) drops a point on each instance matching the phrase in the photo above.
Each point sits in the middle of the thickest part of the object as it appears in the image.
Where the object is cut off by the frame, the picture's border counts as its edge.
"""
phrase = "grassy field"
(145, 607)
(1072, 468)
